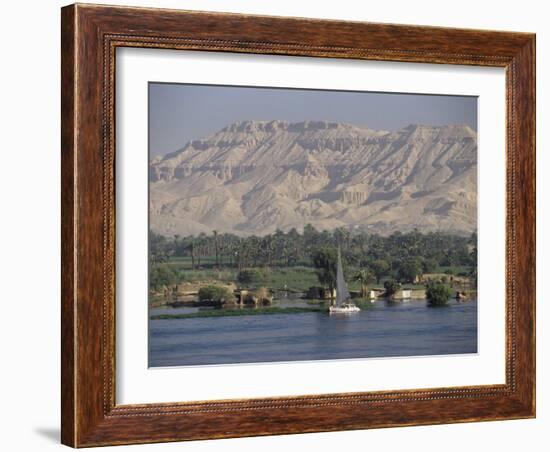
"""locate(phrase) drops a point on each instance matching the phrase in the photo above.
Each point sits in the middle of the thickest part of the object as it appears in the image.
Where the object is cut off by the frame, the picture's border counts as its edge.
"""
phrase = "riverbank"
(239, 312)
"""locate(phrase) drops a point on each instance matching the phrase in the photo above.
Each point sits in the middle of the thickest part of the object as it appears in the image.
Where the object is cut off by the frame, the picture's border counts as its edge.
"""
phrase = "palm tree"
(201, 245)
(191, 248)
(342, 237)
(267, 249)
(325, 263)
(216, 248)
(239, 254)
(364, 277)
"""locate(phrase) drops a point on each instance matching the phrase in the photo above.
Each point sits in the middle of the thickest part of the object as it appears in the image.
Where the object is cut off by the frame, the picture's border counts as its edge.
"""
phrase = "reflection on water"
(383, 330)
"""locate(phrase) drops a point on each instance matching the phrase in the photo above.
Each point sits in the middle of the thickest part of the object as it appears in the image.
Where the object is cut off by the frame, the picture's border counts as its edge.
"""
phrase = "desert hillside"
(253, 177)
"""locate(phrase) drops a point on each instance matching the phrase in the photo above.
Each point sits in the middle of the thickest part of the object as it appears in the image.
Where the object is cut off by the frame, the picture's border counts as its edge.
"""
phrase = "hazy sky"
(179, 113)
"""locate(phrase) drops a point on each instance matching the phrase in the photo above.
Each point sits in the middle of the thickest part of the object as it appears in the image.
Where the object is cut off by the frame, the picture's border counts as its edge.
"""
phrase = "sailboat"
(343, 304)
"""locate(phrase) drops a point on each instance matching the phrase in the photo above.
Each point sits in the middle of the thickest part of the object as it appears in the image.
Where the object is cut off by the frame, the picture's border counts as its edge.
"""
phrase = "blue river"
(384, 330)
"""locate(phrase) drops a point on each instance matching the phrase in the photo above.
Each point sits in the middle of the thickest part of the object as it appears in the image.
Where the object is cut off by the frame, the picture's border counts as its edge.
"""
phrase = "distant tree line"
(399, 256)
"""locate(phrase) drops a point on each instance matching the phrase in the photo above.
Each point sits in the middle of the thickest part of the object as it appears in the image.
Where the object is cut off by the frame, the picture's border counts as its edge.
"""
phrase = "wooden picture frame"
(90, 36)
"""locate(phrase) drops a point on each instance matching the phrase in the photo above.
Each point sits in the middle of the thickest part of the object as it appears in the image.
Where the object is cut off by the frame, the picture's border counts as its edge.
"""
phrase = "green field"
(296, 278)
(455, 269)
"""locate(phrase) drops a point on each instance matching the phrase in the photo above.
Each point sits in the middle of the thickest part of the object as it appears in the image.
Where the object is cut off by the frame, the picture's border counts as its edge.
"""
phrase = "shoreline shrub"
(218, 294)
(438, 294)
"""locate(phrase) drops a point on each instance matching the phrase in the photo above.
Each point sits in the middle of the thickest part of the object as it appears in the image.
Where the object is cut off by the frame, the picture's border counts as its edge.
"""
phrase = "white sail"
(342, 293)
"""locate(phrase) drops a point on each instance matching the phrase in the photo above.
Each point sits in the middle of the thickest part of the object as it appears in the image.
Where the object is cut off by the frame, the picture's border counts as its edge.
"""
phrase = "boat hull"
(350, 309)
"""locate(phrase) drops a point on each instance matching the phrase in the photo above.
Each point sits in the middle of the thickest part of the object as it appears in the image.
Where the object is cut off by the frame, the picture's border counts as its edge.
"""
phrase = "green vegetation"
(251, 276)
(363, 303)
(188, 275)
(295, 279)
(162, 275)
(409, 269)
(295, 262)
(391, 287)
(383, 255)
(325, 261)
(429, 265)
(380, 268)
(238, 312)
(315, 295)
(364, 277)
(438, 294)
(215, 293)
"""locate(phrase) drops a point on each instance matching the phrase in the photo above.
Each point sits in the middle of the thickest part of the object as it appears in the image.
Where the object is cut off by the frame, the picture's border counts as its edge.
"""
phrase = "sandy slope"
(255, 176)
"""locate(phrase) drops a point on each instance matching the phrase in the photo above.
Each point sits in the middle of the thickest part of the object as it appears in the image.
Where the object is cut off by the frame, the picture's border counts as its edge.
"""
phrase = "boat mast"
(342, 293)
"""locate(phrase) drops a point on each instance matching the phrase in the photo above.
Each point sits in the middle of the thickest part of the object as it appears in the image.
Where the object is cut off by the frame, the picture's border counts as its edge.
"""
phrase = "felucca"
(343, 304)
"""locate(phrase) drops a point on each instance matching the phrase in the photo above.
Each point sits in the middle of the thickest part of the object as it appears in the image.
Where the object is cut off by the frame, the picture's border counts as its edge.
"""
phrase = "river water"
(384, 330)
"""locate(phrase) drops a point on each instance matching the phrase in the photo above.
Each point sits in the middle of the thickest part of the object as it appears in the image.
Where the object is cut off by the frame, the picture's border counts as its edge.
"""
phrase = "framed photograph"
(281, 225)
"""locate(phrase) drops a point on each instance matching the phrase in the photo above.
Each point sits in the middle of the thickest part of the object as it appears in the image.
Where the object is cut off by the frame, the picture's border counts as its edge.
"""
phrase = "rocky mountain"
(253, 177)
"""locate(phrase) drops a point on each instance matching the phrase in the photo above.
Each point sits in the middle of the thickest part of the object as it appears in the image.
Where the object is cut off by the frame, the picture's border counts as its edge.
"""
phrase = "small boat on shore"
(343, 304)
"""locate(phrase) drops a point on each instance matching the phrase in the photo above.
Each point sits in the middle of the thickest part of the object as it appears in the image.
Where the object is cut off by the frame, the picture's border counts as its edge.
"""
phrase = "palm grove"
(368, 258)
